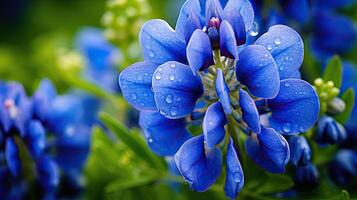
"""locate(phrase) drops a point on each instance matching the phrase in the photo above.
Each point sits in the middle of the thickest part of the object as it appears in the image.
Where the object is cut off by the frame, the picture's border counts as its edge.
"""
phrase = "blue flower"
(206, 58)
(344, 166)
(329, 131)
(306, 177)
(300, 152)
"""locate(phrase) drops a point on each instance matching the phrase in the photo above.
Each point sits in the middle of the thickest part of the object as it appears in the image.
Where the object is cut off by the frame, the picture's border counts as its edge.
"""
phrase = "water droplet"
(277, 41)
(158, 76)
(210, 123)
(179, 80)
(151, 54)
(287, 58)
(150, 140)
(287, 127)
(266, 55)
(173, 65)
(301, 129)
(281, 68)
(169, 98)
(134, 96)
(178, 99)
(146, 74)
(173, 111)
(172, 77)
(237, 177)
(160, 69)
(287, 85)
(148, 47)
(140, 77)
(269, 47)
(254, 30)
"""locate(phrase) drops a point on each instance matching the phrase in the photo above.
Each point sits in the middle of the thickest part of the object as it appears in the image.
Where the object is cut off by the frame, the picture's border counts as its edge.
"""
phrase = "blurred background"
(81, 46)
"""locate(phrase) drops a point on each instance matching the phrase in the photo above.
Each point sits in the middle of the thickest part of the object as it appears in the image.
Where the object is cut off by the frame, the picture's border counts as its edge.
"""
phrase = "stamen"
(11, 107)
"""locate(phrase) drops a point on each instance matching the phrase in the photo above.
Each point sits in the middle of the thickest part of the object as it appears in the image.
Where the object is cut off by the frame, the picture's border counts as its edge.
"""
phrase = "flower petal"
(42, 99)
(164, 136)
(187, 20)
(135, 83)
(12, 156)
(213, 124)
(287, 48)
(300, 152)
(257, 70)
(176, 89)
(36, 138)
(296, 107)
(213, 9)
(199, 167)
(297, 9)
(242, 7)
(160, 43)
(269, 149)
(228, 43)
(250, 113)
(306, 176)
(199, 51)
(234, 172)
(47, 172)
(222, 91)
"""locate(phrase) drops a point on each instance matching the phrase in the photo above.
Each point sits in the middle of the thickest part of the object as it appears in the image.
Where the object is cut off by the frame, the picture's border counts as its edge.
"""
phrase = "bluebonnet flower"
(300, 151)
(329, 131)
(25, 124)
(101, 58)
(344, 166)
(318, 18)
(205, 58)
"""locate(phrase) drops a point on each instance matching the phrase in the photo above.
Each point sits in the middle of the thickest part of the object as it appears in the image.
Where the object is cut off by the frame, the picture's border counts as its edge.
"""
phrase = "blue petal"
(296, 107)
(250, 113)
(176, 89)
(12, 156)
(213, 124)
(36, 138)
(222, 91)
(199, 167)
(75, 142)
(300, 152)
(164, 136)
(160, 43)
(329, 131)
(306, 176)
(242, 7)
(257, 70)
(187, 20)
(333, 4)
(269, 149)
(199, 51)
(329, 30)
(228, 43)
(47, 173)
(344, 166)
(234, 172)
(135, 83)
(287, 48)
(42, 99)
(213, 9)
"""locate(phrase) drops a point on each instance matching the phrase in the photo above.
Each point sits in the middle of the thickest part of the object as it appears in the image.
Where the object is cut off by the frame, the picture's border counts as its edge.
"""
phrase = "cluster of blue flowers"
(206, 71)
(44, 140)
(318, 18)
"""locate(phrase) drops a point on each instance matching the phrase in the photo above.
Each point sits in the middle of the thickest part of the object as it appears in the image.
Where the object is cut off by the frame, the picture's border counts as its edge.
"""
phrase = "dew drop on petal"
(173, 65)
(173, 111)
(150, 140)
(151, 54)
(158, 76)
(169, 98)
(277, 41)
(237, 177)
(287, 85)
(269, 47)
(287, 127)
(140, 77)
(254, 30)
(134, 96)
(172, 77)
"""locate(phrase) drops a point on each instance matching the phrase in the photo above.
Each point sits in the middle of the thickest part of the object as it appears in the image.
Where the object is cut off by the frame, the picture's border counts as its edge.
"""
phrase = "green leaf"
(333, 71)
(275, 183)
(133, 182)
(349, 98)
(345, 195)
(133, 140)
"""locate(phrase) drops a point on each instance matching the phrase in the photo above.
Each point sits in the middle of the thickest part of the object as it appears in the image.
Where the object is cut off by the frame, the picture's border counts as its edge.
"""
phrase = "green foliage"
(333, 71)
(349, 98)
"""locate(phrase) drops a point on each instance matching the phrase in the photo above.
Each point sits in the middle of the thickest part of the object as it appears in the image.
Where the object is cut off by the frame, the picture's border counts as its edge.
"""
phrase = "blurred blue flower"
(101, 58)
(329, 131)
(306, 177)
(344, 166)
(199, 60)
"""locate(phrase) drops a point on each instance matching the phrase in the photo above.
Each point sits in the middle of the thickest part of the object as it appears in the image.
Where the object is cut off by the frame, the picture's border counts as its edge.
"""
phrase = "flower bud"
(300, 152)
(329, 131)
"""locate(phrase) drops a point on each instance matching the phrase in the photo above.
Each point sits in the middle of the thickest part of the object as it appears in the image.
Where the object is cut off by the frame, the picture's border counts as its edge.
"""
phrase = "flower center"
(213, 32)
(11, 107)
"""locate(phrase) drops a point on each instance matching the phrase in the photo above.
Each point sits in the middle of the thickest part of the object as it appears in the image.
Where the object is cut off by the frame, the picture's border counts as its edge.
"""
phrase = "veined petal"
(164, 136)
(296, 107)
(239, 7)
(36, 138)
(190, 11)
(213, 124)
(12, 156)
(135, 83)
(250, 112)
(228, 43)
(222, 91)
(199, 51)
(199, 167)
(234, 173)
(176, 89)
(257, 70)
(160, 43)
(269, 149)
(287, 48)
(213, 9)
